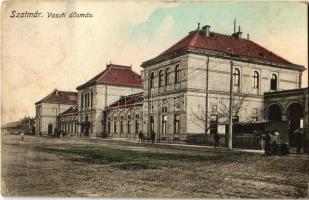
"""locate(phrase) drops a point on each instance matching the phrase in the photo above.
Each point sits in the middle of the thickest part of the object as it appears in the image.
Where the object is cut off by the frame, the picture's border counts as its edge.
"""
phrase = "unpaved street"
(78, 167)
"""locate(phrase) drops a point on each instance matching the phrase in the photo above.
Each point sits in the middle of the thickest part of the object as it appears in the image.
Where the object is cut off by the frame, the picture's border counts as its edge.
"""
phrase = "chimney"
(237, 34)
(205, 30)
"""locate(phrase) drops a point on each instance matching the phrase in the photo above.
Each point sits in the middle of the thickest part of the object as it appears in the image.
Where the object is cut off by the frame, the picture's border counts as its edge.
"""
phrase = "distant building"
(48, 109)
(99, 92)
(12, 127)
(124, 118)
(68, 121)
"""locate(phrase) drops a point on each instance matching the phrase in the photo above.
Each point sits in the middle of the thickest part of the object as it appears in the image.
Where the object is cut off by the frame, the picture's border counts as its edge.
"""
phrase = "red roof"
(115, 75)
(128, 101)
(61, 97)
(225, 44)
(71, 111)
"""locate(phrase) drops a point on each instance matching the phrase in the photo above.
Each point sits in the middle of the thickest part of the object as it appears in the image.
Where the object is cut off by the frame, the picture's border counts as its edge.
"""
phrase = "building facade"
(124, 118)
(101, 91)
(184, 91)
(189, 83)
(48, 109)
(290, 106)
(68, 122)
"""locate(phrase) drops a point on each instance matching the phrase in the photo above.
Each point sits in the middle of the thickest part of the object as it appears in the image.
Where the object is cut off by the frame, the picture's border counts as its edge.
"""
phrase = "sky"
(41, 54)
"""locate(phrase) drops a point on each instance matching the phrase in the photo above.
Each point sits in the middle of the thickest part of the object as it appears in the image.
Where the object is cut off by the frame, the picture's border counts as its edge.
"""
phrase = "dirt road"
(28, 170)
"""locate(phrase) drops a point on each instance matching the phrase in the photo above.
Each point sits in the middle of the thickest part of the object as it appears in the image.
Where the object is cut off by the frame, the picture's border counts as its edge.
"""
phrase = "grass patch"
(134, 159)
(135, 166)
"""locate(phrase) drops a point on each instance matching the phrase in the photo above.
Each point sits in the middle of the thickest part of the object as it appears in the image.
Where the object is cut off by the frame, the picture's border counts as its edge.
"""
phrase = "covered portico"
(290, 106)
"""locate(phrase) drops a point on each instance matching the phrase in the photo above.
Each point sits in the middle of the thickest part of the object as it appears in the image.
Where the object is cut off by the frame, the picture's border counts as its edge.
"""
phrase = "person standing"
(267, 143)
(153, 137)
(216, 139)
(22, 136)
(274, 142)
(299, 141)
(140, 136)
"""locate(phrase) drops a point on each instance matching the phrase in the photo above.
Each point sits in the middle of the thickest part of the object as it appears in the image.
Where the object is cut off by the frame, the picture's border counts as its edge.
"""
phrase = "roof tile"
(61, 97)
(225, 44)
(116, 75)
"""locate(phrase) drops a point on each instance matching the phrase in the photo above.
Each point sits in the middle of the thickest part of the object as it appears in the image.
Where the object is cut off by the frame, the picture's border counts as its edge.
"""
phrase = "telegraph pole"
(206, 100)
(230, 143)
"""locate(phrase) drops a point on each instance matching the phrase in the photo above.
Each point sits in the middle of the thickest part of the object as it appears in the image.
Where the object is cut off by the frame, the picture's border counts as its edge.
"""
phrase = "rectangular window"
(273, 82)
(214, 108)
(136, 126)
(213, 124)
(115, 127)
(151, 124)
(82, 101)
(91, 99)
(121, 127)
(129, 127)
(176, 124)
(108, 127)
(164, 109)
(164, 123)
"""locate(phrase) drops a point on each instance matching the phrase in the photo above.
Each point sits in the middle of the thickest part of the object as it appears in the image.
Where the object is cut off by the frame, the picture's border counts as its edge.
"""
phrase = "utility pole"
(206, 100)
(230, 143)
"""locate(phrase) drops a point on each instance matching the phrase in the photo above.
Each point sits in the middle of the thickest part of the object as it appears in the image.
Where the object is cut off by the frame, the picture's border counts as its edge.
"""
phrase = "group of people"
(273, 144)
(271, 141)
(141, 137)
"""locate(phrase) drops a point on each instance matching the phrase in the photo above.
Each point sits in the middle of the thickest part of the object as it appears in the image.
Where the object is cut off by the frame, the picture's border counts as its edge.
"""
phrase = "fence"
(249, 141)
(202, 139)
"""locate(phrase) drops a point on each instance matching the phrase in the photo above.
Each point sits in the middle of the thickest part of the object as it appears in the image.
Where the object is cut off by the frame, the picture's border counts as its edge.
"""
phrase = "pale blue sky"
(42, 54)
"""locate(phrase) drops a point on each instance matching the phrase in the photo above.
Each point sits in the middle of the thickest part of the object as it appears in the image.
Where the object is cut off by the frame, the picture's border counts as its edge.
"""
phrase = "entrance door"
(50, 129)
(295, 114)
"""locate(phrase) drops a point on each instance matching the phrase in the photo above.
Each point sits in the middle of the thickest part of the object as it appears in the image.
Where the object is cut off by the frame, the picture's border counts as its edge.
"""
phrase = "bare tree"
(222, 112)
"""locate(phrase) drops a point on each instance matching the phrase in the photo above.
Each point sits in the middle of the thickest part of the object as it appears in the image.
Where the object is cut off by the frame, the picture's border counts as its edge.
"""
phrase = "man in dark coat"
(153, 136)
(216, 139)
(140, 136)
(299, 140)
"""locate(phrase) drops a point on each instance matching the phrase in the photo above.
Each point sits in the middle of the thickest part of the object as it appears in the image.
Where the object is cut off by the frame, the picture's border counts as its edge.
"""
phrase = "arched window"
(177, 74)
(255, 79)
(273, 82)
(236, 77)
(167, 76)
(152, 80)
(161, 78)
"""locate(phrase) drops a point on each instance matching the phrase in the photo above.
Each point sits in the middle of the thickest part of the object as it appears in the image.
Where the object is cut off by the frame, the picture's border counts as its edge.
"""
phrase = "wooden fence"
(249, 141)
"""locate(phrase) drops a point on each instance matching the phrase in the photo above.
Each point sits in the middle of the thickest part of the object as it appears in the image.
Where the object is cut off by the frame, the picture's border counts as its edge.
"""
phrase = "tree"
(222, 112)
(27, 125)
